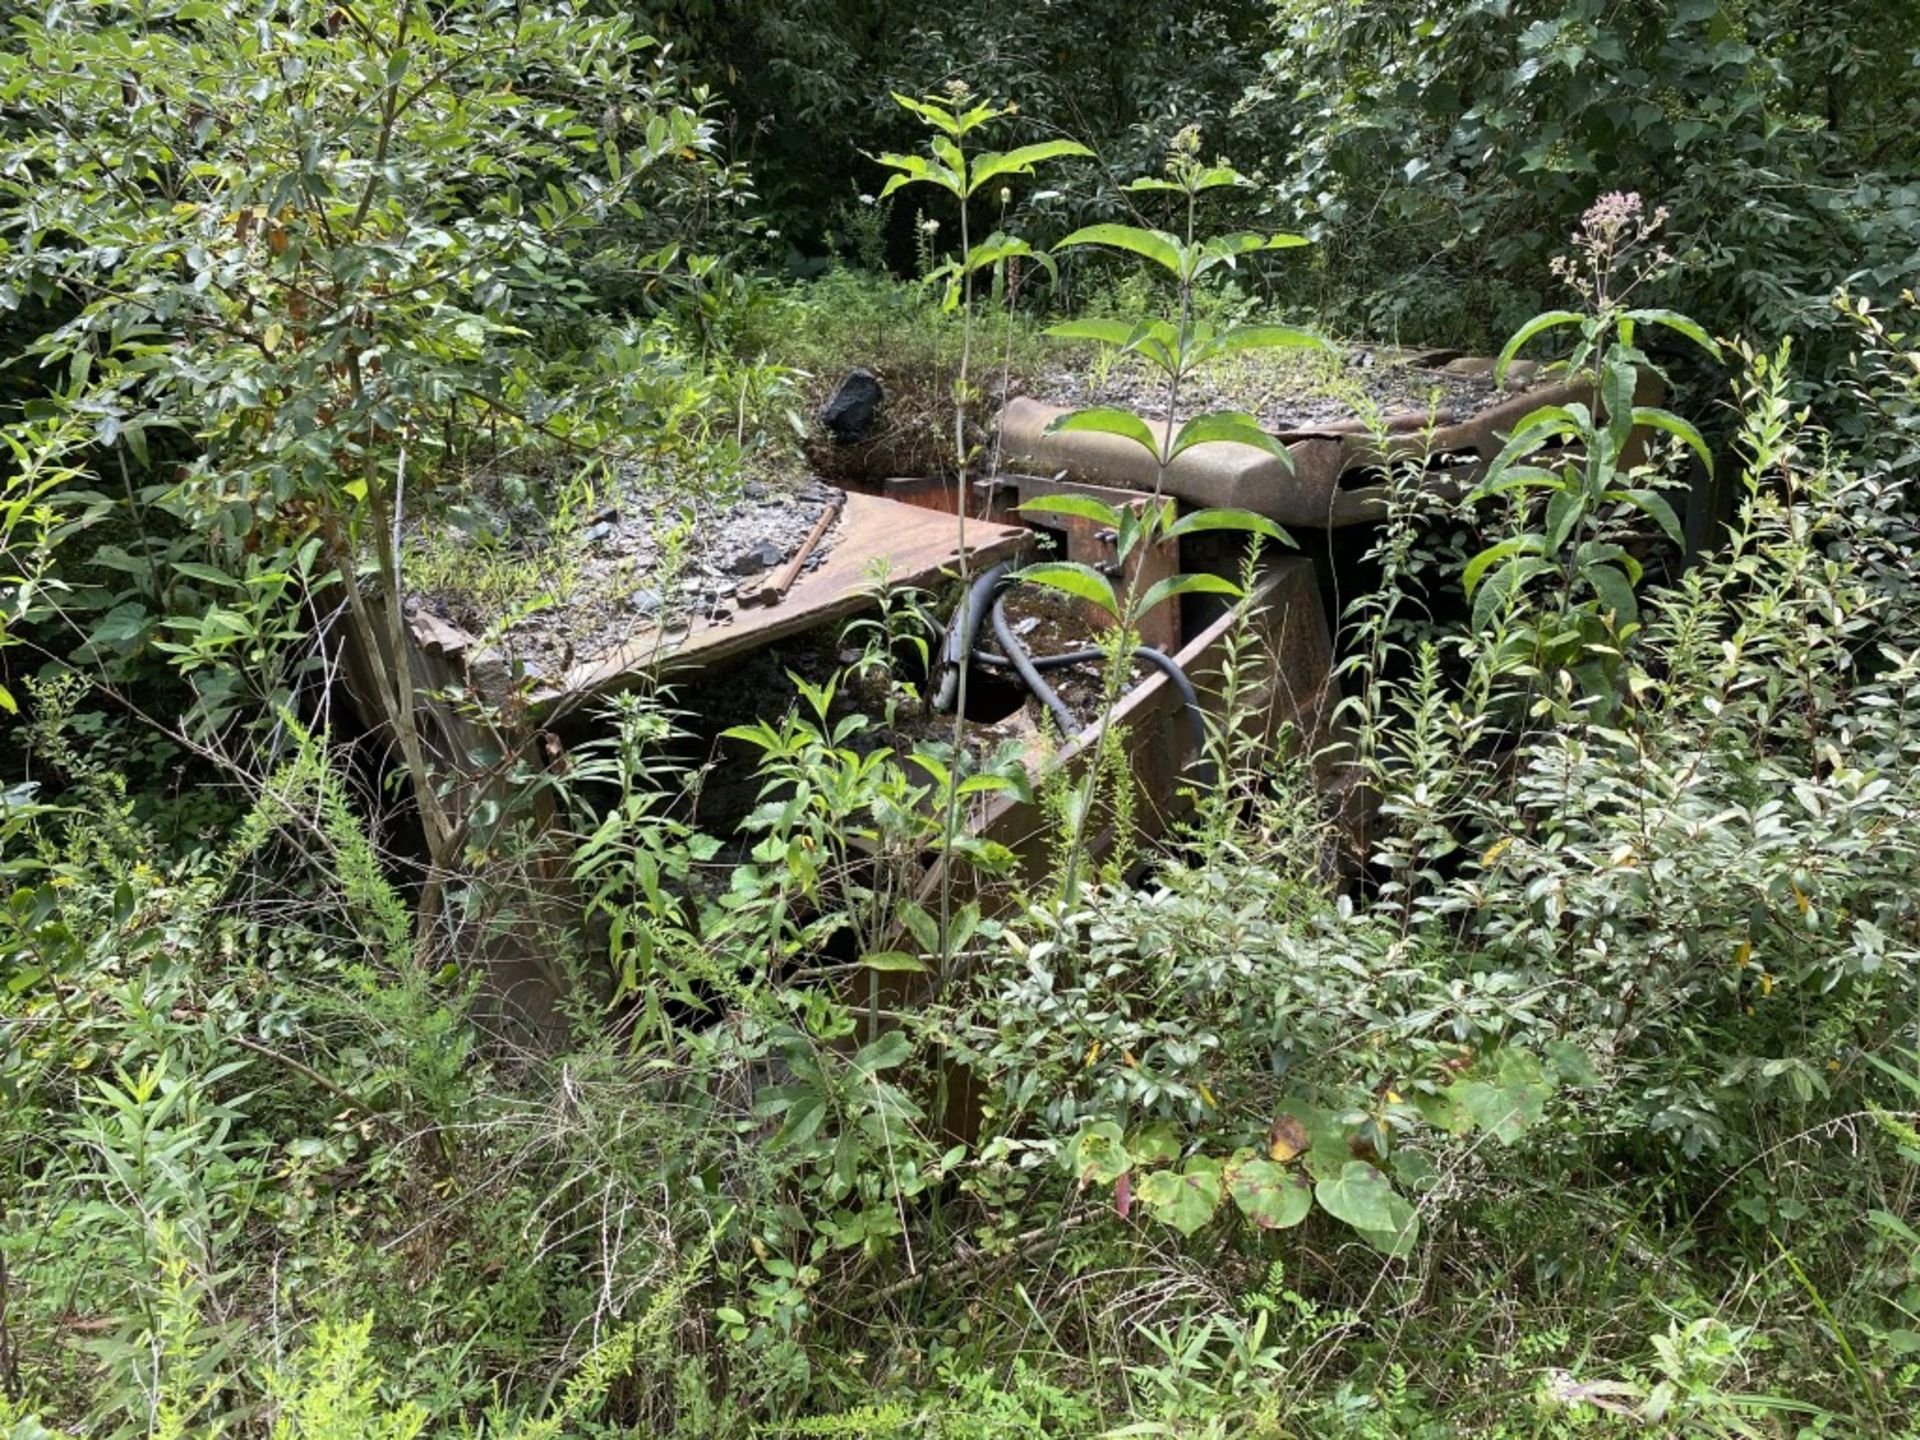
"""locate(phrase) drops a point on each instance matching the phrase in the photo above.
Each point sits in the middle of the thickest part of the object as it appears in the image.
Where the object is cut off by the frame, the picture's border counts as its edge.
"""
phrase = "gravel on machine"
(652, 558)
(1284, 390)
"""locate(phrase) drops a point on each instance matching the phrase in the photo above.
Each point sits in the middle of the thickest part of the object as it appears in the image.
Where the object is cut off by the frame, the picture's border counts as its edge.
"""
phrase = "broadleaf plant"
(1569, 468)
(1313, 1156)
(954, 116)
(1175, 348)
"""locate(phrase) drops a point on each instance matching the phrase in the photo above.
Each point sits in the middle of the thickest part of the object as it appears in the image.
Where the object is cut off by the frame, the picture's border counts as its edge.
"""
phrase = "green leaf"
(1506, 583)
(1098, 1154)
(915, 170)
(951, 156)
(1085, 507)
(1494, 555)
(1359, 1195)
(971, 120)
(1414, 1171)
(1563, 513)
(803, 1121)
(1572, 1064)
(1155, 245)
(1242, 338)
(1515, 477)
(1510, 1102)
(894, 961)
(1199, 583)
(1159, 342)
(1215, 176)
(1273, 1196)
(1534, 430)
(1672, 424)
(884, 1053)
(1225, 249)
(1537, 325)
(989, 784)
(1615, 592)
(1103, 332)
(1106, 420)
(937, 115)
(123, 626)
(964, 922)
(1617, 383)
(1595, 552)
(1652, 502)
(1549, 422)
(1185, 1201)
(1154, 1144)
(1673, 320)
(1021, 161)
(919, 924)
(1225, 517)
(913, 166)
(1399, 1238)
(1226, 427)
(193, 570)
(1071, 578)
(998, 246)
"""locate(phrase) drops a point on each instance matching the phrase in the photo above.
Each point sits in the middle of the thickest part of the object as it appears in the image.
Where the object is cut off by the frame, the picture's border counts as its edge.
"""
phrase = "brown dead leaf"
(1286, 1139)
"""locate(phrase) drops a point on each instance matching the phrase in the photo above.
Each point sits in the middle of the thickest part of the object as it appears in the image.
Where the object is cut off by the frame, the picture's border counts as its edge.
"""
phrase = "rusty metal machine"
(910, 528)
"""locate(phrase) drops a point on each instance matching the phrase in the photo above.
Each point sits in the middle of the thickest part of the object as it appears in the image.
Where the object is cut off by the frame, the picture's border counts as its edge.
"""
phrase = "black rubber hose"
(1024, 667)
(1189, 700)
(963, 632)
(1017, 658)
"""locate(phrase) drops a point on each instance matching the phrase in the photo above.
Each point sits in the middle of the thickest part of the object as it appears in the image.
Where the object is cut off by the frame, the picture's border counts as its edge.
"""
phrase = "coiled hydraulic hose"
(960, 646)
(1029, 667)
(1015, 654)
(963, 632)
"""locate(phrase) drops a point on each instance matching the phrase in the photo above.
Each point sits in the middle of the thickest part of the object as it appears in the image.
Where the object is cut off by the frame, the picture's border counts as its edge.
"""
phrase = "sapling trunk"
(950, 820)
(1129, 590)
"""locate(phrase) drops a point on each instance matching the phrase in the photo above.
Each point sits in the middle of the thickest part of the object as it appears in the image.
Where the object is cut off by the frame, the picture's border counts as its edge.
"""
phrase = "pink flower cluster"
(1613, 211)
(1609, 257)
(1617, 212)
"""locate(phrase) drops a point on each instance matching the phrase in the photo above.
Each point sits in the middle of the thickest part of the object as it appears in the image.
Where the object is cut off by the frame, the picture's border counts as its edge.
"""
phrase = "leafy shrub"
(1445, 149)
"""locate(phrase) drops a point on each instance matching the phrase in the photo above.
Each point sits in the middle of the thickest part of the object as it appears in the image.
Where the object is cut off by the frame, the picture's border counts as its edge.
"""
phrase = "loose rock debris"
(652, 558)
(1284, 390)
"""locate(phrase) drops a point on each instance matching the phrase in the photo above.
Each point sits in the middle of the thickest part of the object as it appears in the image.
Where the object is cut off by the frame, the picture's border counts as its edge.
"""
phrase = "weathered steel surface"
(910, 544)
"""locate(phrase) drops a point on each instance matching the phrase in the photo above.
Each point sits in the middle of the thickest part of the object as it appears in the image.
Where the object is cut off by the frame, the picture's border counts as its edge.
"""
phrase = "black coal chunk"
(763, 556)
(849, 416)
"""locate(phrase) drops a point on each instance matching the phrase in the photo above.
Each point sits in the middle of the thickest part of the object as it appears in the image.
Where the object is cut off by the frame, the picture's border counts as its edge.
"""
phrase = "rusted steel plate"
(913, 546)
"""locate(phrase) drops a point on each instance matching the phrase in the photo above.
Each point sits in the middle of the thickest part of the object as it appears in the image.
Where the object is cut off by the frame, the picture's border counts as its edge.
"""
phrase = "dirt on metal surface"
(1049, 623)
(1286, 391)
(574, 649)
(646, 558)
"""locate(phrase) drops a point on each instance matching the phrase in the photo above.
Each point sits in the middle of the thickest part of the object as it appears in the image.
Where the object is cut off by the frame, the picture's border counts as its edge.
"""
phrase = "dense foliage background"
(1543, 1061)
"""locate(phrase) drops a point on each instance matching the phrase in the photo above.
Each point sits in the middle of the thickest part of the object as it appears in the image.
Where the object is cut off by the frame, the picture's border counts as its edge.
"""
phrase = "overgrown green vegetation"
(1536, 1053)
